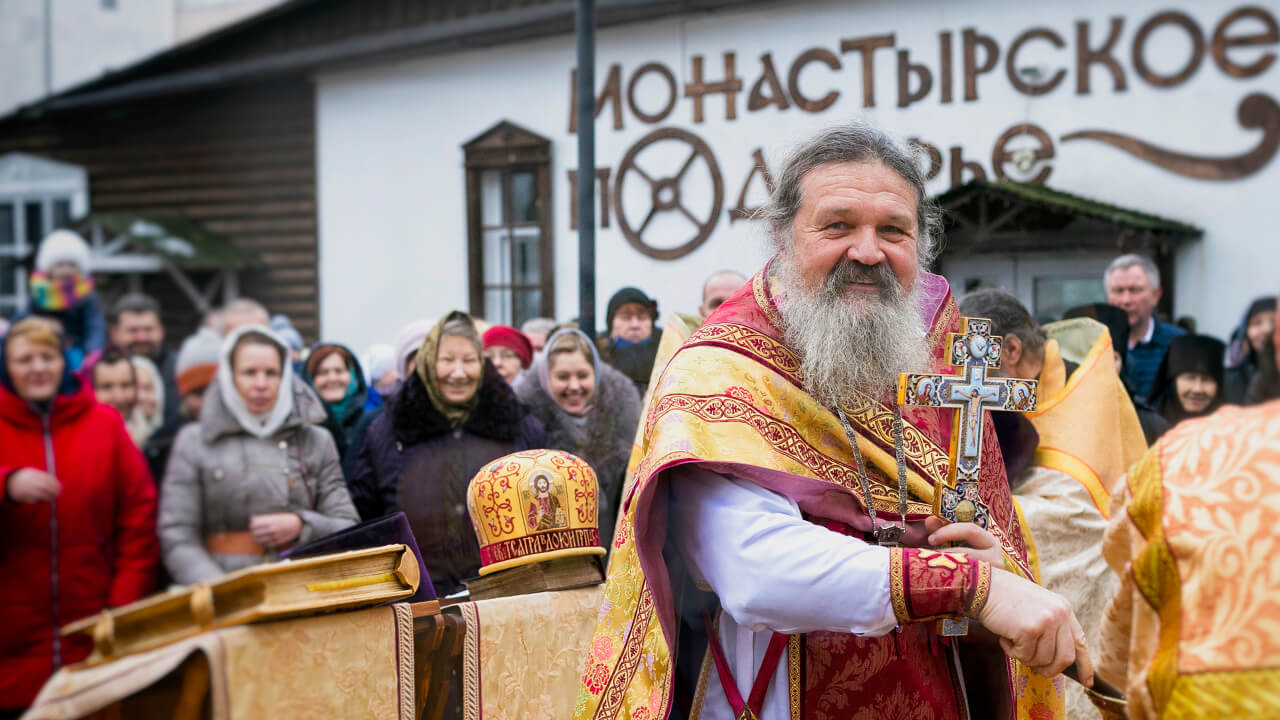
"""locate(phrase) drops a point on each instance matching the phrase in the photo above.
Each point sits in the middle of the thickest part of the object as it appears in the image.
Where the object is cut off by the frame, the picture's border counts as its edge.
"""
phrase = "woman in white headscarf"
(588, 408)
(148, 410)
(256, 474)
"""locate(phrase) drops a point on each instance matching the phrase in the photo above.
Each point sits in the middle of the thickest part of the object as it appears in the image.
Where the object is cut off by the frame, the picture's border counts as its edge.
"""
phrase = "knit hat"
(63, 246)
(626, 296)
(409, 340)
(512, 339)
(283, 326)
(197, 361)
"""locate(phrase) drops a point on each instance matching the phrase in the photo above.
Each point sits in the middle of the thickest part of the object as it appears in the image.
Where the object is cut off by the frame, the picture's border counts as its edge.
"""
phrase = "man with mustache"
(134, 326)
(748, 578)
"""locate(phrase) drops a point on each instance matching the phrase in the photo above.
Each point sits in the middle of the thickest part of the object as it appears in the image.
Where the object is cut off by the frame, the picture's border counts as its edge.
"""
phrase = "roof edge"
(504, 27)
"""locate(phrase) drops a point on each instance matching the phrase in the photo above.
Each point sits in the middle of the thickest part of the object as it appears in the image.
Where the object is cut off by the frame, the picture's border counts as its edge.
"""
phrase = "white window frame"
(25, 179)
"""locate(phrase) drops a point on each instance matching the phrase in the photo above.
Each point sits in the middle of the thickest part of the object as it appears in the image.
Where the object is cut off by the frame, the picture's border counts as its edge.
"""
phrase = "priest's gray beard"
(851, 343)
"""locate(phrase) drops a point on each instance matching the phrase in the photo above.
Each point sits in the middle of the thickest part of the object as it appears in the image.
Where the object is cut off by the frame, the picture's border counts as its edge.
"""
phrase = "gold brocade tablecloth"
(523, 655)
(344, 665)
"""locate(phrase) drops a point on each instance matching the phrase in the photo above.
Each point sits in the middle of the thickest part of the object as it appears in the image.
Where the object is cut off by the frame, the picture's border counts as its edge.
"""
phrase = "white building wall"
(89, 37)
(393, 233)
(197, 17)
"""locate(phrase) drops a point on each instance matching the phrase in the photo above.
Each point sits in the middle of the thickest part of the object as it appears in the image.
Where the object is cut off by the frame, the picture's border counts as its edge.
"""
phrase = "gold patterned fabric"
(675, 331)
(1087, 424)
(343, 665)
(1194, 629)
(1089, 435)
(522, 654)
(731, 399)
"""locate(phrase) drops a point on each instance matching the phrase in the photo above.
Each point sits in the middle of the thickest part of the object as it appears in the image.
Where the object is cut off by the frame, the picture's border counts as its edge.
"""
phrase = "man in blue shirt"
(1133, 285)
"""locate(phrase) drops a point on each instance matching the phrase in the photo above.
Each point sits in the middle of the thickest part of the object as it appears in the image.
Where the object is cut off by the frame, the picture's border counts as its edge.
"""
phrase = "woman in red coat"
(77, 519)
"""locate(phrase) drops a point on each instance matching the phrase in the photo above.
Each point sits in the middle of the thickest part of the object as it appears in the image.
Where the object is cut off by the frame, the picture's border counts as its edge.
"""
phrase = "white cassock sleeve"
(771, 568)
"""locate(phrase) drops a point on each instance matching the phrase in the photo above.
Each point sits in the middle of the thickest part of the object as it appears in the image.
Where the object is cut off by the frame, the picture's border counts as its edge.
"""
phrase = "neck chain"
(888, 535)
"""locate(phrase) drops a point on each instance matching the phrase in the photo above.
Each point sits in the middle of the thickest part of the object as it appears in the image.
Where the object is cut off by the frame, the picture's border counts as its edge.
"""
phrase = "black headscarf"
(1189, 354)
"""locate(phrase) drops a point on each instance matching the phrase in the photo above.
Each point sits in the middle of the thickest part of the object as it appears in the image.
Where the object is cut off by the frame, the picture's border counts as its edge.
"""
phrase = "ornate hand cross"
(974, 350)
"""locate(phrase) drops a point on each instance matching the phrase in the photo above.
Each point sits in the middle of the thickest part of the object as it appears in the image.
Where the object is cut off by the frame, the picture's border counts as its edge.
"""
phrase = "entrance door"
(1047, 283)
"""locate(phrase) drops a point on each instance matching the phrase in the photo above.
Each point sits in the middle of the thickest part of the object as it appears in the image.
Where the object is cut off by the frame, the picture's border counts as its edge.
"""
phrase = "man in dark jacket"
(134, 326)
(1133, 285)
(631, 343)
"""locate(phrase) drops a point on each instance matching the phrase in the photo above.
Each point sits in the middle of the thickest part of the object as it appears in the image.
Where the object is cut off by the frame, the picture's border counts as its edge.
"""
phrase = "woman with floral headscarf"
(452, 414)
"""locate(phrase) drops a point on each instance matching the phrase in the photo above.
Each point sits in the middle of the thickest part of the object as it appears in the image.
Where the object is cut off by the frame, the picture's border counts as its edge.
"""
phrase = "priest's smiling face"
(847, 276)
(856, 211)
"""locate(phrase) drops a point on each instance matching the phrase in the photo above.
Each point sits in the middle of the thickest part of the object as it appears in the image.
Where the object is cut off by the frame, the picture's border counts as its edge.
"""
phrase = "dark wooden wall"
(241, 161)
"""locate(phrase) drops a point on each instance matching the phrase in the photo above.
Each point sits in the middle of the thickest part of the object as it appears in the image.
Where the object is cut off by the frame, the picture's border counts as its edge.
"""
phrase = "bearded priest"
(777, 557)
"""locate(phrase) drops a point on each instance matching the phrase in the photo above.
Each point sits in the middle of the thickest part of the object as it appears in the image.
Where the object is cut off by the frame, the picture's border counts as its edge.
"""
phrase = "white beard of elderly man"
(748, 578)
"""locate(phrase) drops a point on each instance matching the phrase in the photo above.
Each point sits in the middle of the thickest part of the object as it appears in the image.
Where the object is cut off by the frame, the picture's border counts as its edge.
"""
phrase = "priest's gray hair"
(856, 141)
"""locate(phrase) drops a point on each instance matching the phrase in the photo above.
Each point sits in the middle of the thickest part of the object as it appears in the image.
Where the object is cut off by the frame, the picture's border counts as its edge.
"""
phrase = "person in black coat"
(630, 344)
(333, 371)
(451, 416)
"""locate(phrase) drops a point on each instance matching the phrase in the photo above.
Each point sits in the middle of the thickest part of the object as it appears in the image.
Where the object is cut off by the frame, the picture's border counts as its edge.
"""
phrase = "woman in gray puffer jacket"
(256, 474)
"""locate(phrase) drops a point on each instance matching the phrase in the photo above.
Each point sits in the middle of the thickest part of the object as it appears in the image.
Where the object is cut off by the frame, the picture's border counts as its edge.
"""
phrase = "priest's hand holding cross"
(1035, 626)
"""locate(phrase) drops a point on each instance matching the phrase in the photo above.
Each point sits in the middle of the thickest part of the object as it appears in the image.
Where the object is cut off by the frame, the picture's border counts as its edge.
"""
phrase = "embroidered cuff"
(927, 584)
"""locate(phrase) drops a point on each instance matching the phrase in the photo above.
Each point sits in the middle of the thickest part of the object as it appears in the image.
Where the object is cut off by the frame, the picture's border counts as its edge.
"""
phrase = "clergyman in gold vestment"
(1194, 630)
(771, 433)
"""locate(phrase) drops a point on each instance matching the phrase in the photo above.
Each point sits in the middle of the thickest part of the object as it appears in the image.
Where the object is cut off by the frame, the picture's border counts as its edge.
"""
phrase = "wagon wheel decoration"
(664, 194)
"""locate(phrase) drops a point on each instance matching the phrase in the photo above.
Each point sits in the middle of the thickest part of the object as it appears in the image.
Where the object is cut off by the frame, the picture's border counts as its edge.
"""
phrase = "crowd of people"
(128, 464)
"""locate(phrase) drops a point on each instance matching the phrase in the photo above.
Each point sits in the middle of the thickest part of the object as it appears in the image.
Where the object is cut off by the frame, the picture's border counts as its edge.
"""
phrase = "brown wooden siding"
(240, 161)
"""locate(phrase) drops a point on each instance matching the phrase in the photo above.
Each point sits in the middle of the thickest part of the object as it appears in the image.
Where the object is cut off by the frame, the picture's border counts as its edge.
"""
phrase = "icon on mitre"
(535, 516)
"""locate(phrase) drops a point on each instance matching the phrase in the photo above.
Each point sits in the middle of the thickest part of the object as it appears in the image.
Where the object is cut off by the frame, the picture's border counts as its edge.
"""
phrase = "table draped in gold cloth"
(522, 656)
(344, 665)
